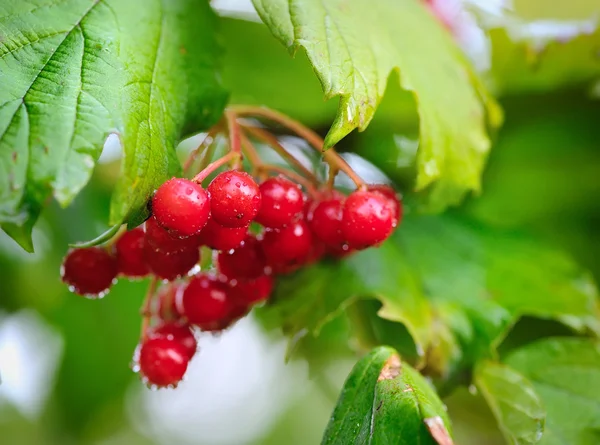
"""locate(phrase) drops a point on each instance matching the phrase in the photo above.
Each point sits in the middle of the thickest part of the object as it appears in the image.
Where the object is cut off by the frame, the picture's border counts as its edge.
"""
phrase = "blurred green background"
(64, 361)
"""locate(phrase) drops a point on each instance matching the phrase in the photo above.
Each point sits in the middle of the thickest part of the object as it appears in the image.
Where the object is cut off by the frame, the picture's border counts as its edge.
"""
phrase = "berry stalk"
(232, 156)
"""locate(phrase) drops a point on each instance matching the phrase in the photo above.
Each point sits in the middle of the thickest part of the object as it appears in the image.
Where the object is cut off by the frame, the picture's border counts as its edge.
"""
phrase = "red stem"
(231, 156)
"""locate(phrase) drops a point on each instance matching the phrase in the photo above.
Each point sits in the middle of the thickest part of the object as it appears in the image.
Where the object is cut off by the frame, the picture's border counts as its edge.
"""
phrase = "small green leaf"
(565, 373)
(355, 46)
(513, 401)
(386, 401)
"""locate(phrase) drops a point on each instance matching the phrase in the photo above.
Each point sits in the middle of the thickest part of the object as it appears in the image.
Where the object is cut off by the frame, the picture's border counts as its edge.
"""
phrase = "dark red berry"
(282, 202)
(287, 247)
(340, 252)
(218, 237)
(368, 219)
(394, 198)
(163, 361)
(89, 271)
(169, 297)
(253, 291)
(234, 199)
(206, 300)
(244, 263)
(325, 221)
(160, 239)
(180, 332)
(129, 252)
(169, 266)
(181, 206)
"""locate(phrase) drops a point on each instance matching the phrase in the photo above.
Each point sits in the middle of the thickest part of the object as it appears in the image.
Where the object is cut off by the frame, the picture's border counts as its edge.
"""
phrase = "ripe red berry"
(253, 291)
(168, 298)
(325, 220)
(180, 332)
(160, 239)
(282, 202)
(181, 206)
(169, 266)
(89, 271)
(244, 263)
(129, 252)
(368, 219)
(218, 237)
(234, 199)
(287, 247)
(162, 361)
(206, 300)
(394, 198)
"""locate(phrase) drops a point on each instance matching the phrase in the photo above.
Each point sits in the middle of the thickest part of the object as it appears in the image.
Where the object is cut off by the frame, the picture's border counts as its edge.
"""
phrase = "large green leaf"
(355, 46)
(513, 400)
(386, 401)
(565, 373)
(74, 71)
(457, 286)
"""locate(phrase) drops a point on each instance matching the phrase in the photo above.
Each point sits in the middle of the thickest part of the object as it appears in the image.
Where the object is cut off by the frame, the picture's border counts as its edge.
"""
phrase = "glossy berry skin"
(325, 221)
(234, 199)
(253, 291)
(218, 237)
(206, 300)
(367, 220)
(89, 271)
(169, 266)
(247, 262)
(287, 247)
(180, 332)
(181, 206)
(129, 253)
(160, 239)
(282, 202)
(163, 361)
(394, 198)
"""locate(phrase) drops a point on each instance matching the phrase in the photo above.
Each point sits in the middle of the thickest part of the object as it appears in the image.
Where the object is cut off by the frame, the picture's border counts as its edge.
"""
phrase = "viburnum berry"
(129, 253)
(206, 300)
(288, 247)
(234, 199)
(180, 332)
(282, 202)
(218, 237)
(253, 291)
(367, 220)
(394, 198)
(246, 262)
(160, 239)
(163, 361)
(169, 266)
(325, 220)
(181, 206)
(89, 271)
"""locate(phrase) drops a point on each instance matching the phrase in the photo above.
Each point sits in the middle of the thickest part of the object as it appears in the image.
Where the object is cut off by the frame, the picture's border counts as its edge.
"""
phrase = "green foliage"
(451, 102)
(75, 71)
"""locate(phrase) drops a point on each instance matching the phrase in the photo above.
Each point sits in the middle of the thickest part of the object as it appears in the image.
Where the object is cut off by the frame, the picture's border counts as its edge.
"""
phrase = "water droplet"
(473, 389)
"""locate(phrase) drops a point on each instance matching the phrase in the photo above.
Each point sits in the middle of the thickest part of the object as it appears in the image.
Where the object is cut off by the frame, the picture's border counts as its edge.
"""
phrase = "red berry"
(168, 298)
(325, 220)
(169, 266)
(234, 199)
(160, 239)
(368, 219)
(394, 198)
(206, 300)
(244, 263)
(163, 361)
(282, 202)
(253, 291)
(181, 206)
(287, 247)
(129, 252)
(89, 271)
(218, 237)
(180, 332)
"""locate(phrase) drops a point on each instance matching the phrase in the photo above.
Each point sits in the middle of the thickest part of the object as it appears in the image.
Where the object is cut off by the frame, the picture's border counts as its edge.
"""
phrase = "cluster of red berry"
(255, 232)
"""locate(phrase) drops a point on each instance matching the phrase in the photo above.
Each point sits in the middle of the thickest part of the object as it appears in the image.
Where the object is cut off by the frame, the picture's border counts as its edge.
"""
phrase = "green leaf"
(385, 401)
(354, 48)
(77, 70)
(513, 401)
(565, 373)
